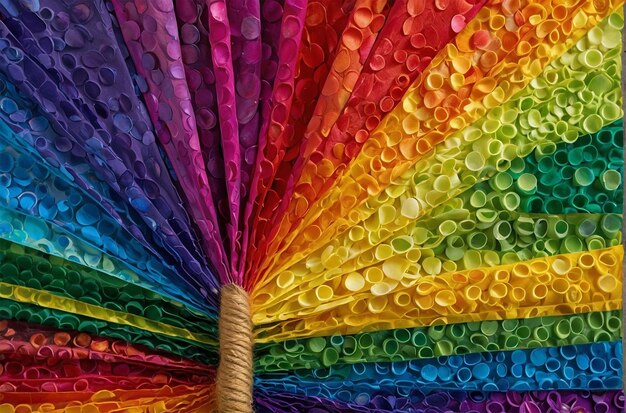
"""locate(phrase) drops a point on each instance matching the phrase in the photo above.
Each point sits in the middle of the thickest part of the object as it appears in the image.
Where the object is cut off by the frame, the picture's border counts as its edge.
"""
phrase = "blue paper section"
(595, 366)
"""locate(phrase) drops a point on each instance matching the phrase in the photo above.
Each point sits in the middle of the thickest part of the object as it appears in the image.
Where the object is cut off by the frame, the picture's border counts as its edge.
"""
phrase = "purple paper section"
(245, 31)
(294, 12)
(65, 58)
(219, 37)
(192, 18)
(441, 401)
(151, 34)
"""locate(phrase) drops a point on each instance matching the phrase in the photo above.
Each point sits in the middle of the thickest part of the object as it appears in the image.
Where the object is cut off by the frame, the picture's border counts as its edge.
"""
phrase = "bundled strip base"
(234, 374)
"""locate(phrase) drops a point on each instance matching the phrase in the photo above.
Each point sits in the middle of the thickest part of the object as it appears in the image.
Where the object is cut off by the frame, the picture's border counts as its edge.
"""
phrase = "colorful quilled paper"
(314, 206)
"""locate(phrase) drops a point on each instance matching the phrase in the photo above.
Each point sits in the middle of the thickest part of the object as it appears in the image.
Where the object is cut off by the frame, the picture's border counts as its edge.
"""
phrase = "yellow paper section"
(469, 81)
(535, 118)
(558, 285)
(47, 300)
(423, 256)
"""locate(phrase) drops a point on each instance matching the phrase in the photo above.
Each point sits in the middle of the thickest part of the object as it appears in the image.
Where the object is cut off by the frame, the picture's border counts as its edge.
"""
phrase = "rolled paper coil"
(246, 28)
(219, 33)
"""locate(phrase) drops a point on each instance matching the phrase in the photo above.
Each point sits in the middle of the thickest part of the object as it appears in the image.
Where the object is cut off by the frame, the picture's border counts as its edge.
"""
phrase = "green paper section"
(514, 216)
(439, 340)
(27, 267)
(61, 320)
(581, 177)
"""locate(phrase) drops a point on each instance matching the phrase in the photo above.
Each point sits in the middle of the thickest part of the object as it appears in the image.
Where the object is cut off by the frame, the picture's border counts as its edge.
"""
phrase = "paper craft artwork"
(315, 206)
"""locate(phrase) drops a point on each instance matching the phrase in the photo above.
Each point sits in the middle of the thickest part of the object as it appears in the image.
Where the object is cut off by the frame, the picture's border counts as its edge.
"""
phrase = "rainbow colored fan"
(311, 206)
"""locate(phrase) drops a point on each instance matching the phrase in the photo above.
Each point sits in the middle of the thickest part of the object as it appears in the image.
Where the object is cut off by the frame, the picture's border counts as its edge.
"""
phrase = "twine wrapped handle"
(234, 373)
